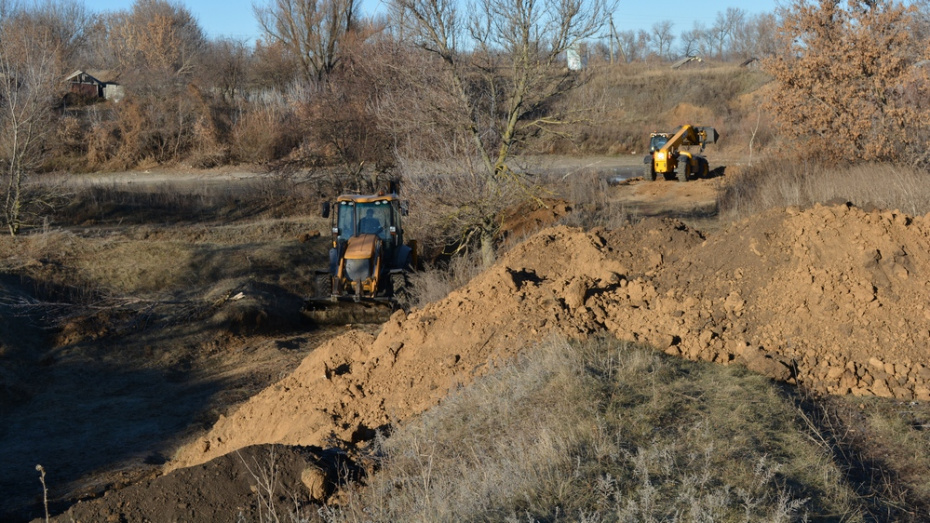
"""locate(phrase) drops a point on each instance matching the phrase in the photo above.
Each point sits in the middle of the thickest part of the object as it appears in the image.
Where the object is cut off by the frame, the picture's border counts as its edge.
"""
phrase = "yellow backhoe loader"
(369, 262)
(667, 160)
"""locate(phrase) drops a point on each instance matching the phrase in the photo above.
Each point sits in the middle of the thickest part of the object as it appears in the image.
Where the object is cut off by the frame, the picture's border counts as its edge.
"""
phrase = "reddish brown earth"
(832, 298)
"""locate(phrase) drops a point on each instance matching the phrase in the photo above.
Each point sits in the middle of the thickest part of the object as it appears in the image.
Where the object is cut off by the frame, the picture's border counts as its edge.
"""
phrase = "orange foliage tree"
(849, 81)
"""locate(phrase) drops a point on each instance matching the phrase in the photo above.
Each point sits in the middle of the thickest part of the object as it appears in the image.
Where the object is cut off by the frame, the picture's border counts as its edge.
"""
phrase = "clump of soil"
(530, 217)
(252, 484)
(832, 298)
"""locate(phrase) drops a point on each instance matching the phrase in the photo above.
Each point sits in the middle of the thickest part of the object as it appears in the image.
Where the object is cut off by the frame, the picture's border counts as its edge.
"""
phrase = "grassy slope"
(616, 108)
(606, 431)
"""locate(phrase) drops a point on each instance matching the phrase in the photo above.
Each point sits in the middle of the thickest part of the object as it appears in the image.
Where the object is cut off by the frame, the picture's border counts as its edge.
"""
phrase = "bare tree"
(30, 70)
(272, 66)
(66, 23)
(313, 31)
(154, 35)
(720, 35)
(690, 40)
(502, 62)
(225, 66)
(662, 39)
(754, 38)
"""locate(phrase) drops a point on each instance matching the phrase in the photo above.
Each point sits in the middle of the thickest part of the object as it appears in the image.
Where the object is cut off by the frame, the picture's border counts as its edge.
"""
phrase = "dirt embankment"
(833, 298)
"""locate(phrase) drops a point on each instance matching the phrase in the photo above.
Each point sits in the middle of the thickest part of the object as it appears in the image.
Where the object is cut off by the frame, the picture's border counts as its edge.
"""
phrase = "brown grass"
(605, 431)
(772, 183)
(619, 106)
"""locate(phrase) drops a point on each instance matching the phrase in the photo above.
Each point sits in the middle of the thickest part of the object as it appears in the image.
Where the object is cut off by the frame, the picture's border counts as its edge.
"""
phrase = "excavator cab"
(657, 141)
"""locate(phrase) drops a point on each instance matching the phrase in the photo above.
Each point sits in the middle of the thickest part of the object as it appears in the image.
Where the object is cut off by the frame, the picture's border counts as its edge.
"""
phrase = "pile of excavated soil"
(258, 483)
(833, 298)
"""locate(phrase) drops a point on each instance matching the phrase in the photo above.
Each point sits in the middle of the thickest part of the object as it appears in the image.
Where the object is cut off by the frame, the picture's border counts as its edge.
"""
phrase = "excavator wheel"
(649, 173)
(703, 168)
(399, 289)
(682, 171)
(323, 285)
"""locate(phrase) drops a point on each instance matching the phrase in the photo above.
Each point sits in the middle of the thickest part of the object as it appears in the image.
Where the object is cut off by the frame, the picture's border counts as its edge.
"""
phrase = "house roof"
(103, 76)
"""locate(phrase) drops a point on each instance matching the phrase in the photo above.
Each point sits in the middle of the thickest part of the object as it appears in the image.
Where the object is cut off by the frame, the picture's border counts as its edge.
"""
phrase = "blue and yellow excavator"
(667, 160)
(369, 261)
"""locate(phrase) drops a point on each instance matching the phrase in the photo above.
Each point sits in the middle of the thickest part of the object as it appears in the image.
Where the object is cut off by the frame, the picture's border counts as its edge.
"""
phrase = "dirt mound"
(530, 217)
(251, 307)
(236, 487)
(837, 293)
(830, 297)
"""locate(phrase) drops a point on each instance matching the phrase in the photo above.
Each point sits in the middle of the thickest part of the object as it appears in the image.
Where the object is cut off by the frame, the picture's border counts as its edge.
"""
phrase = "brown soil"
(694, 203)
(245, 485)
(832, 298)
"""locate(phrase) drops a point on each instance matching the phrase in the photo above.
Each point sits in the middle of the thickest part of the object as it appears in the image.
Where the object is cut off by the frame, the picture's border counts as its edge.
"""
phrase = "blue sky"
(234, 18)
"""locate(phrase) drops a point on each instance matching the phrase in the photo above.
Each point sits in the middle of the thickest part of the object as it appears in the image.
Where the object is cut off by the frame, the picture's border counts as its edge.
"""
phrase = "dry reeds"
(772, 183)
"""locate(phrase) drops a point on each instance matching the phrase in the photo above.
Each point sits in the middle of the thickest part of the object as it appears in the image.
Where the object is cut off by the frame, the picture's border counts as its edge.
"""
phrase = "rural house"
(101, 84)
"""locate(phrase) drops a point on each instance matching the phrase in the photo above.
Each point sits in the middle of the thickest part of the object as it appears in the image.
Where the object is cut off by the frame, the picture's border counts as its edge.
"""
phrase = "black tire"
(649, 173)
(703, 168)
(400, 290)
(681, 170)
(323, 285)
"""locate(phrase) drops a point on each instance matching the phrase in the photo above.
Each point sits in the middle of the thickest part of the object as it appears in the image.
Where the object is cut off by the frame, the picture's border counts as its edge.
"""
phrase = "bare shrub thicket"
(847, 84)
(604, 431)
(499, 66)
(31, 62)
(767, 185)
(267, 132)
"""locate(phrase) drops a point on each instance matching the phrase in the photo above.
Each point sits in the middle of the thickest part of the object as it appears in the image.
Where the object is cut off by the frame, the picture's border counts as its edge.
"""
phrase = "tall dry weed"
(436, 281)
(265, 133)
(603, 431)
(770, 183)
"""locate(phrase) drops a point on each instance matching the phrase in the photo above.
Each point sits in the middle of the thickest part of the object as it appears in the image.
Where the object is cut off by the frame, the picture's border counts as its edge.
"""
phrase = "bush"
(265, 134)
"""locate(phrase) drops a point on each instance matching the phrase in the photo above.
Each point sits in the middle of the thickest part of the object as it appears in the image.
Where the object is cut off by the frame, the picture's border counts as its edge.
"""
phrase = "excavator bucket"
(326, 311)
(327, 308)
(710, 134)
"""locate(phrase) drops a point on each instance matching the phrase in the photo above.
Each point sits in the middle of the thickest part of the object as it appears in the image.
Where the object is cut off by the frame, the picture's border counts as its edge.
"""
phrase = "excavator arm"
(689, 135)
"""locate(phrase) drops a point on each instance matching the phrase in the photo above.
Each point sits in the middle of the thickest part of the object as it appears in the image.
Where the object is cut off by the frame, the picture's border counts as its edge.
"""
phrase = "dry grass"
(588, 192)
(617, 107)
(772, 183)
(605, 431)
(887, 446)
(436, 281)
